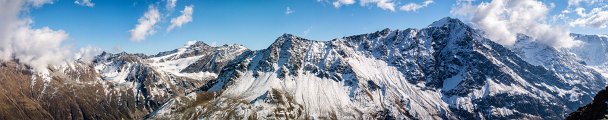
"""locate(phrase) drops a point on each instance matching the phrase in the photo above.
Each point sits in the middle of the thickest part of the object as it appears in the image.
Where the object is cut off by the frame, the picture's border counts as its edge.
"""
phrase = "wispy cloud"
(87, 3)
(289, 11)
(339, 3)
(116, 49)
(576, 3)
(186, 17)
(414, 6)
(305, 33)
(383, 4)
(145, 25)
(389, 5)
(171, 4)
(596, 18)
(35, 3)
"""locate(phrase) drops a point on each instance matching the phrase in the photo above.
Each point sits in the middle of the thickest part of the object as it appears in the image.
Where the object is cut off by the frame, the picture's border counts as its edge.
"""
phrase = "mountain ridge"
(447, 70)
(372, 50)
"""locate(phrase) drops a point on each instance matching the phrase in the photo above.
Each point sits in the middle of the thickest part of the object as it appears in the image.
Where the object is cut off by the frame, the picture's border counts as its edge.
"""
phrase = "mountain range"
(447, 70)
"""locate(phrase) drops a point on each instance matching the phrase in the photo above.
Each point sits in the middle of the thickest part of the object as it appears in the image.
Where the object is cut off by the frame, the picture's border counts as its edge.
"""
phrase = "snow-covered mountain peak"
(594, 50)
(194, 44)
(287, 38)
(190, 49)
(191, 42)
(447, 21)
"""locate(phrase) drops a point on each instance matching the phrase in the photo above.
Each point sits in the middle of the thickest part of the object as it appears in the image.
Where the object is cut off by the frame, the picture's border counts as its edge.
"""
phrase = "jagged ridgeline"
(447, 70)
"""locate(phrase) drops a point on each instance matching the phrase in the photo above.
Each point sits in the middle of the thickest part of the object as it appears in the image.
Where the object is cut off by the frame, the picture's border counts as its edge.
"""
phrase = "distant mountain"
(594, 54)
(447, 70)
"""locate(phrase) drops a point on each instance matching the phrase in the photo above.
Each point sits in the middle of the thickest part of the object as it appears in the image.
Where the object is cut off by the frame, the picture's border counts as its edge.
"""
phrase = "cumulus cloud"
(36, 48)
(339, 3)
(87, 3)
(171, 4)
(145, 25)
(502, 20)
(414, 6)
(288, 11)
(87, 54)
(383, 4)
(186, 17)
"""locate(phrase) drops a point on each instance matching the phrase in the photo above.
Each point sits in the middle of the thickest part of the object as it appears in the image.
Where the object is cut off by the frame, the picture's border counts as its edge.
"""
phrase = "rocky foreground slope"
(597, 109)
(447, 70)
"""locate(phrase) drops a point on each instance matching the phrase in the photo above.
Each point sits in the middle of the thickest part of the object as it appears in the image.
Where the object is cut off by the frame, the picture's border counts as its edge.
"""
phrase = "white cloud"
(288, 11)
(39, 47)
(186, 17)
(145, 25)
(383, 4)
(414, 6)
(502, 20)
(171, 4)
(36, 48)
(36, 3)
(580, 11)
(305, 33)
(87, 3)
(87, 54)
(577, 3)
(596, 18)
(339, 3)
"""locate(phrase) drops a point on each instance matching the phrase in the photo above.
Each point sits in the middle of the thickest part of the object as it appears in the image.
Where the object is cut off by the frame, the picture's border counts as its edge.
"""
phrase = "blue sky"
(253, 23)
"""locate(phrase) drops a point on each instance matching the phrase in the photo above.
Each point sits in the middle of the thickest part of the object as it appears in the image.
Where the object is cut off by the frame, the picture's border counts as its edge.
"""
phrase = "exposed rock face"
(70, 94)
(598, 109)
(447, 70)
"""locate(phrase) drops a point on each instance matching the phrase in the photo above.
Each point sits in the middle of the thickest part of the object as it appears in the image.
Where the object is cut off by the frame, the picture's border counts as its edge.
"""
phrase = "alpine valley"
(447, 70)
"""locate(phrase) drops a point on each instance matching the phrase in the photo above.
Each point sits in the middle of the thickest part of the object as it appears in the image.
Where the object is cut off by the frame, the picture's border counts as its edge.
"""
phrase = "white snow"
(175, 66)
(502, 111)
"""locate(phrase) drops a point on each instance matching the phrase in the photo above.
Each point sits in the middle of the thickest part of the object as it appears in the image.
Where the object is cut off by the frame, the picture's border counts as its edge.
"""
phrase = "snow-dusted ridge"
(445, 71)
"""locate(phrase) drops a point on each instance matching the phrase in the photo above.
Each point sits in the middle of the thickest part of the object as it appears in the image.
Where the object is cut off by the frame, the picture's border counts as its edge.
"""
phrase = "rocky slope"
(71, 93)
(597, 109)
